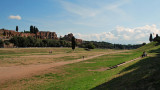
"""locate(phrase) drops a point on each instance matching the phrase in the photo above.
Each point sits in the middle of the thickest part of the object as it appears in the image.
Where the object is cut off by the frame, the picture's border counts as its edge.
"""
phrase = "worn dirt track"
(18, 72)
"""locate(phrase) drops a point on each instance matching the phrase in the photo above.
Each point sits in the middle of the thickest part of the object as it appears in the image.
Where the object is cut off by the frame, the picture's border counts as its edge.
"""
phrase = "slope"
(141, 75)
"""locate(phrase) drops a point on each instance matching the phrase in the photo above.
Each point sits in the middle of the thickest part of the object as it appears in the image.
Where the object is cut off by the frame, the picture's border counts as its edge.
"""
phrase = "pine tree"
(73, 43)
(17, 28)
(150, 38)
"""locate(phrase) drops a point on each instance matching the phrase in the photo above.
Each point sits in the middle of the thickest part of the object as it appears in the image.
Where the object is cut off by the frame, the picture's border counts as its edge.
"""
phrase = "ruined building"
(69, 38)
(46, 35)
(7, 34)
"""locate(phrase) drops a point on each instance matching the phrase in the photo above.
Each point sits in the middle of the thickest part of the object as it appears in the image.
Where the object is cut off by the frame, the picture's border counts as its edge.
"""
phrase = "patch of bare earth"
(89, 62)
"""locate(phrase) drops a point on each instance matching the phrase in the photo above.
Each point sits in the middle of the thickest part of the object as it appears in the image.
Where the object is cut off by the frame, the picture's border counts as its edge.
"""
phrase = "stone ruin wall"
(69, 38)
(7, 34)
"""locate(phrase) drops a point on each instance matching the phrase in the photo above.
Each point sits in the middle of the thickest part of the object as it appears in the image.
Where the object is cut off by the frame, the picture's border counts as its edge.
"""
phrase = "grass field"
(78, 75)
(27, 56)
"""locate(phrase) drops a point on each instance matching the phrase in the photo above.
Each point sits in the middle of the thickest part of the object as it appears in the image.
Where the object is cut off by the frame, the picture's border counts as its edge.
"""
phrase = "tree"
(45, 42)
(4, 33)
(36, 30)
(157, 36)
(31, 29)
(14, 40)
(143, 44)
(17, 28)
(155, 39)
(32, 41)
(90, 46)
(73, 43)
(1, 43)
(150, 38)
(6, 42)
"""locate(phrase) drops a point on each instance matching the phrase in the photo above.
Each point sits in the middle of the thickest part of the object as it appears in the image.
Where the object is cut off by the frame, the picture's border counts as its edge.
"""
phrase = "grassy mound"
(142, 75)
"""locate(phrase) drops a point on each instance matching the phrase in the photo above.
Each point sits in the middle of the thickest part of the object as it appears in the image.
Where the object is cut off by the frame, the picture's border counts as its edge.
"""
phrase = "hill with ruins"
(8, 34)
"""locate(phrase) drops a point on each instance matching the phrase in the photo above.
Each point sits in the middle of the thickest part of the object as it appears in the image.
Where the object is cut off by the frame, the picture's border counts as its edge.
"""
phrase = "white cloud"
(15, 17)
(97, 37)
(123, 35)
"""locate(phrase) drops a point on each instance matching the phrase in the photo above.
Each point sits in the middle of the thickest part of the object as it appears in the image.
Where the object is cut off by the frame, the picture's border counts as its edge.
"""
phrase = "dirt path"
(18, 72)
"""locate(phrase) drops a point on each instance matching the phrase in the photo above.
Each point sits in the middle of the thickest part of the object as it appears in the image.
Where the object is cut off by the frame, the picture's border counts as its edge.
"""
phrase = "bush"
(7, 42)
(90, 46)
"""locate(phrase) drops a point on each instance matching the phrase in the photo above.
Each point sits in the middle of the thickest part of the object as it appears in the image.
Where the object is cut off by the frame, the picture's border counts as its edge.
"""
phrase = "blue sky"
(115, 21)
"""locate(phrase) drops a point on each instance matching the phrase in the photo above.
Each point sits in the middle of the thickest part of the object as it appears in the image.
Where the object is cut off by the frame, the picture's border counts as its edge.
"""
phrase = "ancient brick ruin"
(7, 34)
(69, 38)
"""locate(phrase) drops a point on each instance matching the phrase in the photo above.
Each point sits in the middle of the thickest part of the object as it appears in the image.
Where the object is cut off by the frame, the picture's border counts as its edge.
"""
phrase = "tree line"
(33, 42)
(107, 45)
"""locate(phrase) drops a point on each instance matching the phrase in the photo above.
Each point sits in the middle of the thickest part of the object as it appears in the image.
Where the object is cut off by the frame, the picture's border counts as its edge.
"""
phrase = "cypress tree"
(34, 29)
(150, 38)
(157, 36)
(73, 43)
(17, 28)
(31, 29)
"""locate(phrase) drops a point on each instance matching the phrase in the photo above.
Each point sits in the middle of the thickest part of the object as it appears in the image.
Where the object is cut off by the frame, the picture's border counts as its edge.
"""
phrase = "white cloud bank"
(123, 35)
(15, 17)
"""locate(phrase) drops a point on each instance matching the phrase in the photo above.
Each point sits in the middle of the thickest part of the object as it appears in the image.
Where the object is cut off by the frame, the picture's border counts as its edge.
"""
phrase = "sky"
(114, 21)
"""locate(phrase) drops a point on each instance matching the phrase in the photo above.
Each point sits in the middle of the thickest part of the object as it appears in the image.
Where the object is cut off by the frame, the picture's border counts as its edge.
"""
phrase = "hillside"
(141, 75)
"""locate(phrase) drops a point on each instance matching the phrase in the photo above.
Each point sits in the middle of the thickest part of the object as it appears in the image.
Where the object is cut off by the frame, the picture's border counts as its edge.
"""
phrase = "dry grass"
(27, 56)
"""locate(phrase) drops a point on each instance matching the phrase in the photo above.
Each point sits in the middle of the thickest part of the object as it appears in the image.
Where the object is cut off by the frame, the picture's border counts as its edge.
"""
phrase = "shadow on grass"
(155, 51)
(145, 76)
